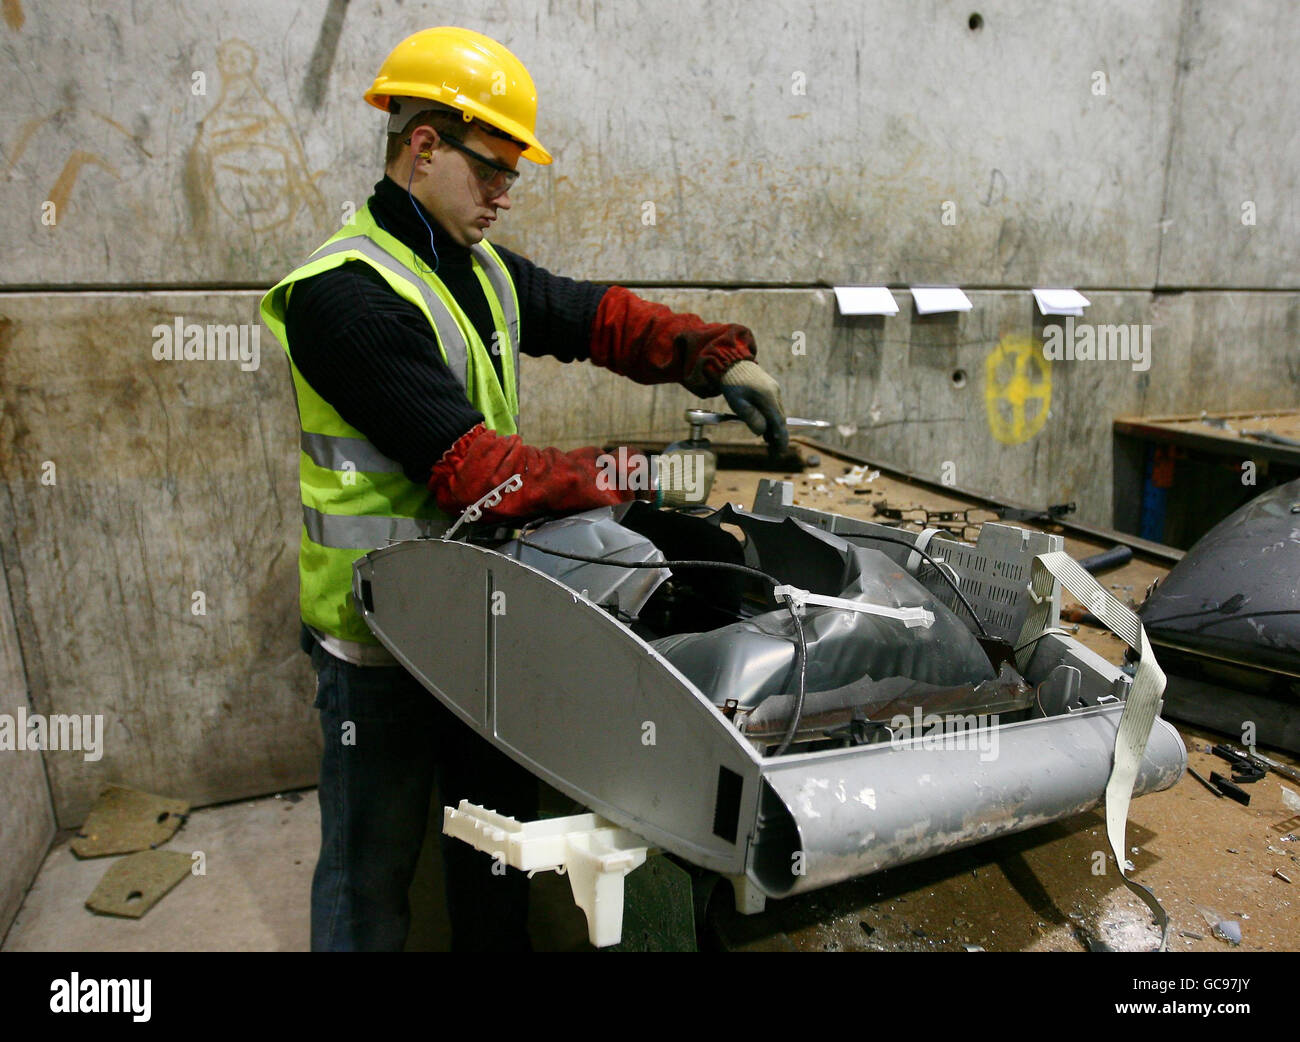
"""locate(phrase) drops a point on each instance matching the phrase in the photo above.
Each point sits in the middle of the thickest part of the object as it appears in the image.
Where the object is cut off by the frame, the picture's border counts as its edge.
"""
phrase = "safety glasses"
(497, 179)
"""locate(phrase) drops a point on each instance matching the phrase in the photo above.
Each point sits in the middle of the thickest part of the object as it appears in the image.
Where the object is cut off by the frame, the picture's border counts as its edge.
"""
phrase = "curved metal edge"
(826, 818)
(647, 678)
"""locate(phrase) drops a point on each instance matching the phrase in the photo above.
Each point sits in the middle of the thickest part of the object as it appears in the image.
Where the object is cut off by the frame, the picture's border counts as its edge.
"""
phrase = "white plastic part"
(910, 617)
(595, 854)
(749, 899)
(475, 510)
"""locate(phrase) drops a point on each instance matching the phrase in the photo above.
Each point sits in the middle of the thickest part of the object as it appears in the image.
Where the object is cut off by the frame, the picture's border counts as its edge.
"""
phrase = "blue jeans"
(387, 740)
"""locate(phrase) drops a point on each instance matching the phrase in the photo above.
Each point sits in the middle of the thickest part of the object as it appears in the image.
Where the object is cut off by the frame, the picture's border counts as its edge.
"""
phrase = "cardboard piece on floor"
(139, 881)
(123, 820)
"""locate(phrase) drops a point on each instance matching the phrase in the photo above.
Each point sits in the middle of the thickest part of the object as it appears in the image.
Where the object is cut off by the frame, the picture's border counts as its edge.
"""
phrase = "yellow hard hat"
(467, 71)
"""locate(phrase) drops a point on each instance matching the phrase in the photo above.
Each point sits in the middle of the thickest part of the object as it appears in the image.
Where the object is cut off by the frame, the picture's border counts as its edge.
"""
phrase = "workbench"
(1176, 477)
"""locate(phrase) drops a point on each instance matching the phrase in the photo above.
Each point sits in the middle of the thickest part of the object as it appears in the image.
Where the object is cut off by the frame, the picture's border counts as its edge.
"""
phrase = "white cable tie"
(475, 510)
(800, 599)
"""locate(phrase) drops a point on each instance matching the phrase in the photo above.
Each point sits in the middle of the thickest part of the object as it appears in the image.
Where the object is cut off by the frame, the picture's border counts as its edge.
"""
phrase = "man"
(403, 333)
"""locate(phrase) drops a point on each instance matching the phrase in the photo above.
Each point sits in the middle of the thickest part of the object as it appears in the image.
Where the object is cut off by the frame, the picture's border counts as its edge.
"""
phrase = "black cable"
(935, 565)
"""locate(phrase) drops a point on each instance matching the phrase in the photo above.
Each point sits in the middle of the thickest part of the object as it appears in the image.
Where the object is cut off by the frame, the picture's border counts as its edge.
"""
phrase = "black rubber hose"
(1115, 557)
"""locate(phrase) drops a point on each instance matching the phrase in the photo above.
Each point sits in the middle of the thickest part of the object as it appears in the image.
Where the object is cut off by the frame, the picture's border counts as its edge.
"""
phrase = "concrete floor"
(260, 855)
(1029, 892)
(254, 896)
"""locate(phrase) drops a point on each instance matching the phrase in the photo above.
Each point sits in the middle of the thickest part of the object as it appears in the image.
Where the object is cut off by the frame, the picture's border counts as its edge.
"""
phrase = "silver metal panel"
(867, 809)
(452, 650)
(572, 694)
(992, 574)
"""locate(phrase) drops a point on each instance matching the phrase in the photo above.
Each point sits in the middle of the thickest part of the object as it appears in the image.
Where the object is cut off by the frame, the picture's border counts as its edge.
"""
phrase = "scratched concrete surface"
(1231, 147)
(26, 817)
(176, 478)
(777, 143)
(169, 480)
(173, 478)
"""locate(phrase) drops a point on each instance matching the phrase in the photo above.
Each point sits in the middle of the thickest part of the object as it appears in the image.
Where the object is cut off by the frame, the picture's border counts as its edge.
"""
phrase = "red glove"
(653, 345)
(555, 482)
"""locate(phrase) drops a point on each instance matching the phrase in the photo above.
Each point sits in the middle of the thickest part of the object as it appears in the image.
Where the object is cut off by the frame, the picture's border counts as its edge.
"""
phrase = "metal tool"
(1271, 438)
(1115, 557)
(1240, 757)
(701, 418)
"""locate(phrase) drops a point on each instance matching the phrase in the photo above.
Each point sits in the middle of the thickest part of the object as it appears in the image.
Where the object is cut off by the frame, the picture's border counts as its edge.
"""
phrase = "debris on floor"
(125, 820)
(857, 475)
(139, 881)
(1224, 929)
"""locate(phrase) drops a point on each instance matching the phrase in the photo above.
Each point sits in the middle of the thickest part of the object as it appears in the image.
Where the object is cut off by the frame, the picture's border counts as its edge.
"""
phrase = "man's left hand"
(756, 398)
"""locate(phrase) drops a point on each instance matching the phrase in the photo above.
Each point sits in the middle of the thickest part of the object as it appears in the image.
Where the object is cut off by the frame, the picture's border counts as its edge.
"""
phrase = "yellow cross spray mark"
(1017, 389)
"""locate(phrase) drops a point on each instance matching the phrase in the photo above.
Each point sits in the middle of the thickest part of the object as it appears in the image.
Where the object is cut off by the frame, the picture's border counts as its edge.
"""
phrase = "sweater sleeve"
(556, 312)
(372, 355)
(616, 329)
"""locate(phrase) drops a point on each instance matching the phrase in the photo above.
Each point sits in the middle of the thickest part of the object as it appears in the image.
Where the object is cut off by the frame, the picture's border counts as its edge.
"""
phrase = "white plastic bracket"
(800, 599)
(475, 510)
(595, 853)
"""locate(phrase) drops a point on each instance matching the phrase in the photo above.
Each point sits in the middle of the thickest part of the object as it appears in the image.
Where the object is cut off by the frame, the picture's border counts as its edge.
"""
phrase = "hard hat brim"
(533, 149)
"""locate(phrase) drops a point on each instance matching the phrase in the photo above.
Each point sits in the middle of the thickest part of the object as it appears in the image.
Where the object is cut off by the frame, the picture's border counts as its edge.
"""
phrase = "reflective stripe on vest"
(336, 453)
(364, 531)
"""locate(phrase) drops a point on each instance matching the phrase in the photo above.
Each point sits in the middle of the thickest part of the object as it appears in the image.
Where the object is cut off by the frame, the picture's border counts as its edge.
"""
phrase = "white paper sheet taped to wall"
(865, 300)
(1061, 302)
(931, 300)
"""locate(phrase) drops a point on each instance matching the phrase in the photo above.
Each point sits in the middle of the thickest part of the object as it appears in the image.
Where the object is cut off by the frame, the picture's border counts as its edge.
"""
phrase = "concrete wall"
(152, 546)
(162, 161)
(26, 816)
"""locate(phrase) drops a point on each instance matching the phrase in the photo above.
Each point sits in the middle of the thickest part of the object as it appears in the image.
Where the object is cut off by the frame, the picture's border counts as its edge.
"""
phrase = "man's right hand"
(756, 398)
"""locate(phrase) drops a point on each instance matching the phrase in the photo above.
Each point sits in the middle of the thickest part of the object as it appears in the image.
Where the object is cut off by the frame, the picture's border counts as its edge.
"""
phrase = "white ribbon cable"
(1140, 709)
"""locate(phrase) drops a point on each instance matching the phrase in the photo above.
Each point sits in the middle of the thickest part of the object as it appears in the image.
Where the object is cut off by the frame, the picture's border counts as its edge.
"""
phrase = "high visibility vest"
(354, 498)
